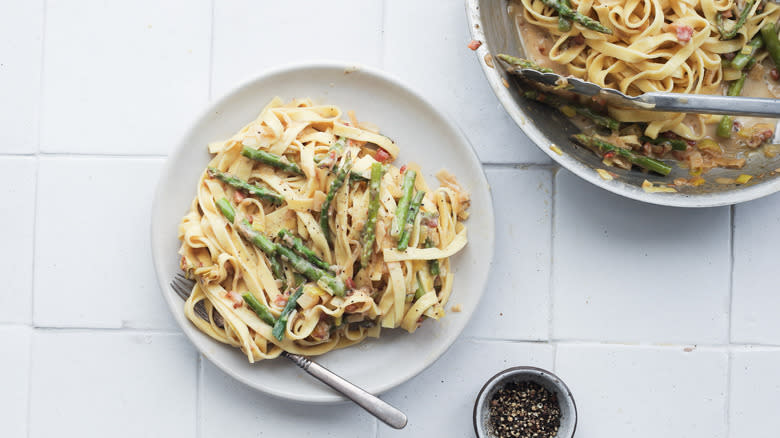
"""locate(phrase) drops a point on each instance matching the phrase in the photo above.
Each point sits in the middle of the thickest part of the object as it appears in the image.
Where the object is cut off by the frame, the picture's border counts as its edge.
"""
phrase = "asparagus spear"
(564, 24)
(341, 176)
(226, 209)
(332, 284)
(567, 12)
(743, 16)
(769, 36)
(726, 123)
(414, 207)
(522, 63)
(402, 210)
(743, 59)
(270, 159)
(369, 232)
(420, 291)
(262, 311)
(433, 265)
(257, 238)
(281, 323)
(677, 145)
(356, 177)
(602, 147)
(561, 104)
(302, 249)
(251, 189)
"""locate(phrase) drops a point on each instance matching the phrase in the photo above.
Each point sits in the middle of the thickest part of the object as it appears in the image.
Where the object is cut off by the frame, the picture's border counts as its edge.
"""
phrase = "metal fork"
(374, 405)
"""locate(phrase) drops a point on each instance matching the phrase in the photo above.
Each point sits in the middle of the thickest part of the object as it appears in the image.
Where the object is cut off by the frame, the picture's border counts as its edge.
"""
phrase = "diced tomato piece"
(382, 156)
(474, 44)
(349, 283)
(402, 169)
(684, 32)
(774, 74)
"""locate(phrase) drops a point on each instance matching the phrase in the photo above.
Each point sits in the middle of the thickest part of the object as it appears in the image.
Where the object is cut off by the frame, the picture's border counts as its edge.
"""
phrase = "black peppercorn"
(524, 410)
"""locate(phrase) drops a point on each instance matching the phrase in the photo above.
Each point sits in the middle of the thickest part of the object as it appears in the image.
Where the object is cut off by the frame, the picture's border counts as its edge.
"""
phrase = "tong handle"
(708, 104)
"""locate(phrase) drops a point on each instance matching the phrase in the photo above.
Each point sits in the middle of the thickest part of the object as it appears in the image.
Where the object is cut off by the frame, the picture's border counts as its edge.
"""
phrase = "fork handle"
(709, 104)
(374, 405)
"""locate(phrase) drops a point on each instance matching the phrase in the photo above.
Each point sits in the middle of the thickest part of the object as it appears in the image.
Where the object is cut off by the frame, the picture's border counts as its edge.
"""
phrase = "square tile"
(434, 58)
(93, 264)
(100, 384)
(21, 35)
(755, 299)
(251, 36)
(237, 411)
(755, 393)
(645, 392)
(17, 216)
(14, 379)
(440, 401)
(123, 77)
(626, 271)
(517, 299)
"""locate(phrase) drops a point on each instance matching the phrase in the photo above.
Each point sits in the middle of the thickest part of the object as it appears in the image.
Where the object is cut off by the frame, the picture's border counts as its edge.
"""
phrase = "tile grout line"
(551, 277)
(211, 50)
(91, 155)
(732, 226)
(39, 110)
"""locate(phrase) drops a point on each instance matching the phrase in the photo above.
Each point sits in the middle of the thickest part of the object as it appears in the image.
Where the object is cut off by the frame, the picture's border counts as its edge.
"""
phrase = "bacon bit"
(430, 222)
(609, 154)
(322, 331)
(542, 50)
(402, 169)
(238, 196)
(726, 14)
(349, 283)
(578, 40)
(382, 156)
(237, 299)
(684, 32)
(281, 300)
(774, 74)
(474, 44)
(729, 56)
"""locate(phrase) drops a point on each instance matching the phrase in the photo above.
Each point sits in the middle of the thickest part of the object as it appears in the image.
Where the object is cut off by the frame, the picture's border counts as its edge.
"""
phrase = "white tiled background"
(664, 322)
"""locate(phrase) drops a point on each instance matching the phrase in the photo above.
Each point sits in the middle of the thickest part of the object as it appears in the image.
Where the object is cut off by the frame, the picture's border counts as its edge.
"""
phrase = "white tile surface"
(251, 36)
(21, 28)
(755, 393)
(17, 216)
(93, 255)
(440, 401)
(102, 384)
(234, 410)
(516, 302)
(123, 77)
(425, 44)
(755, 301)
(633, 272)
(645, 391)
(14, 379)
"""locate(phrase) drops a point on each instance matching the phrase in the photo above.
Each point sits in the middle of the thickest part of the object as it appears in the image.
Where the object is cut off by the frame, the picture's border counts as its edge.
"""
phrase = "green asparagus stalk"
(356, 177)
(561, 104)
(226, 209)
(602, 147)
(769, 36)
(571, 14)
(402, 210)
(433, 265)
(414, 208)
(257, 238)
(676, 144)
(281, 323)
(522, 63)
(564, 24)
(742, 59)
(420, 291)
(726, 123)
(341, 176)
(369, 232)
(332, 284)
(251, 189)
(260, 309)
(300, 248)
(272, 160)
(743, 16)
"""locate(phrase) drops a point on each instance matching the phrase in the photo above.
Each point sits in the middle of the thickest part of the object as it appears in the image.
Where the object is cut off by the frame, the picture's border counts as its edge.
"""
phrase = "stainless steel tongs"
(658, 101)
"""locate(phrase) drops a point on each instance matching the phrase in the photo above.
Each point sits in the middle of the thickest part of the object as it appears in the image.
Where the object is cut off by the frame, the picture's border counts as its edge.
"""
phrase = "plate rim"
(207, 109)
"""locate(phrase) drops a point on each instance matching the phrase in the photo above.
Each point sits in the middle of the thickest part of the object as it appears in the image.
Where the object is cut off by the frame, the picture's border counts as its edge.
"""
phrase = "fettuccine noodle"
(393, 288)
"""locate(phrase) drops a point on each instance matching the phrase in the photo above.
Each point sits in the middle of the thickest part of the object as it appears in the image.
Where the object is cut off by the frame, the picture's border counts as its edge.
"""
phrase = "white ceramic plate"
(424, 135)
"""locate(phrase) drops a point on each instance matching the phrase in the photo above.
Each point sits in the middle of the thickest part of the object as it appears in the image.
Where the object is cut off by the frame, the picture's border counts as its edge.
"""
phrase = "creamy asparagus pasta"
(303, 237)
(682, 46)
